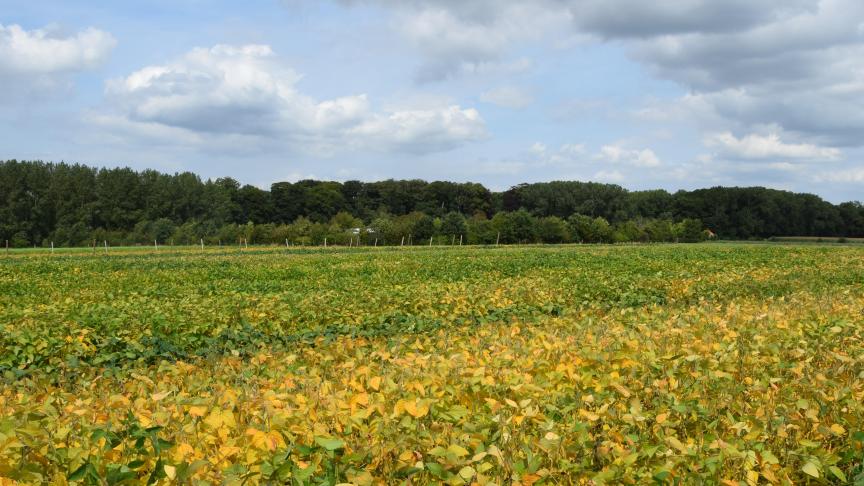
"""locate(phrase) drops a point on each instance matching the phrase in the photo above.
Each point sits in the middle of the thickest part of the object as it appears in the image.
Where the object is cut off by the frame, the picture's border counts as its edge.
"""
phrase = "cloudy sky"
(669, 93)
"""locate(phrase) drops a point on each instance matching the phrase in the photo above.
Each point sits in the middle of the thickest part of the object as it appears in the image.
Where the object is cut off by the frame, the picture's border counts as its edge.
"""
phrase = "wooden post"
(376, 242)
(156, 245)
(52, 247)
(403, 241)
(246, 242)
(7, 247)
(286, 242)
(460, 240)
(498, 239)
(325, 242)
(430, 241)
(106, 246)
(202, 244)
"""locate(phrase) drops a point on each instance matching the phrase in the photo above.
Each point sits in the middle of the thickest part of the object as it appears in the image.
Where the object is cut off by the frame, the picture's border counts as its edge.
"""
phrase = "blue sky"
(673, 94)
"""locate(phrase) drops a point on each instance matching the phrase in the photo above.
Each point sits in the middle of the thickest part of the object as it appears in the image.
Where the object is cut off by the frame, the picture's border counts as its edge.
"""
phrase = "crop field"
(669, 364)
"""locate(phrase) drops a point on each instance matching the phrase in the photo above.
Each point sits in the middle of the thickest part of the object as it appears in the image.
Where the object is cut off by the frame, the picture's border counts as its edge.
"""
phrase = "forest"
(73, 205)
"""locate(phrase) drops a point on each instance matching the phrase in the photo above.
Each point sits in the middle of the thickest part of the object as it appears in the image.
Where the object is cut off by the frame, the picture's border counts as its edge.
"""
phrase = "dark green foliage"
(75, 205)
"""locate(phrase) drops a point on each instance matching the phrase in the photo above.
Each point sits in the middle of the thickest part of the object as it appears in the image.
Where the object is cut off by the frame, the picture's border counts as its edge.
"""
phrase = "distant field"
(688, 364)
(815, 239)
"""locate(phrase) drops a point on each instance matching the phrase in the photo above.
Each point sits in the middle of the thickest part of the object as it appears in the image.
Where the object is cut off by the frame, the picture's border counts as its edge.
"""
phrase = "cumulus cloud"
(665, 17)
(246, 91)
(35, 64)
(768, 147)
(617, 154)
(458, 37)
(854, 176)
(49, 51)
(508, 97)
(797, 64)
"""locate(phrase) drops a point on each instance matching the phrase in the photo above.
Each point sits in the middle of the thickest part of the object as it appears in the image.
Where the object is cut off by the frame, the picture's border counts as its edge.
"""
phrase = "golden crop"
(596, 365)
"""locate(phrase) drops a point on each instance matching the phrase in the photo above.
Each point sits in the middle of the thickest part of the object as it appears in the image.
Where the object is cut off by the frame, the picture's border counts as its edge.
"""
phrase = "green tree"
(689, 231)
(453, 224)
(552, 229)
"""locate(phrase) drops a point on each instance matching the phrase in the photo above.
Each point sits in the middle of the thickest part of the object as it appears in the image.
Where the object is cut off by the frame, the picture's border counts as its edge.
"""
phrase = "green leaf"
(838, 473)
(407, 472)
(79, 473)
(811, 469)
(329, 443)
(436, 469)
(662, 476)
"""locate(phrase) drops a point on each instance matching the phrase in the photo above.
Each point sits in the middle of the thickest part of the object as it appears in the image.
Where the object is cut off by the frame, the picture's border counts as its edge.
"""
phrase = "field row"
(512, 366)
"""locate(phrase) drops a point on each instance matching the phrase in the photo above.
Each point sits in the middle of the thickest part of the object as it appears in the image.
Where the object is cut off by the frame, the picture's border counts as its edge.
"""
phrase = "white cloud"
(613, 176)
(245, 91)
(457, 37)
(508, 97)
(797, 64)
(669, 17)
(48, 51)
(421, 131)
(567, 155)
(767, 147)
(618, 154)
(855, 175)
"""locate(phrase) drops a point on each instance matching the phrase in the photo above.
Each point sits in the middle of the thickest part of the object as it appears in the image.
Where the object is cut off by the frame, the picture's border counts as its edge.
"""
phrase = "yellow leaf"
(375, 383)
(457, 450)
(228, 451)
(838, 429)
(171, 472)
(591, 416)
(265, 440)
(467, 473)
(197, 411)
(662, 418)
(156, 397)
(182, 451)
(417, 409)
(220, 418)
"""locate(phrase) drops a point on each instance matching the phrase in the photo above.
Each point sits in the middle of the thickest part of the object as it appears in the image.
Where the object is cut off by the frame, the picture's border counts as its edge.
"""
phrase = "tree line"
(73, 205)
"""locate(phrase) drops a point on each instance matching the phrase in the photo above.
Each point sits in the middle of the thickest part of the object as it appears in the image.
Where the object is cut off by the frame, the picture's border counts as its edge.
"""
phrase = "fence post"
(430, 240)
(52, 247)
(106, 246)
(460, 240)
(498, 239)
(156, 244)
(202, 244)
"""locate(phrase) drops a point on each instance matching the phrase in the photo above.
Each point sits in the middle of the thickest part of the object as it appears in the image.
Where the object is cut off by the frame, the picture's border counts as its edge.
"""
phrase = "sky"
(672, 94)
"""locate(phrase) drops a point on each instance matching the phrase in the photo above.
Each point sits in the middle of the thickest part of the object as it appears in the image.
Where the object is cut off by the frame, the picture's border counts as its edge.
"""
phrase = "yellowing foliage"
(521, 366)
